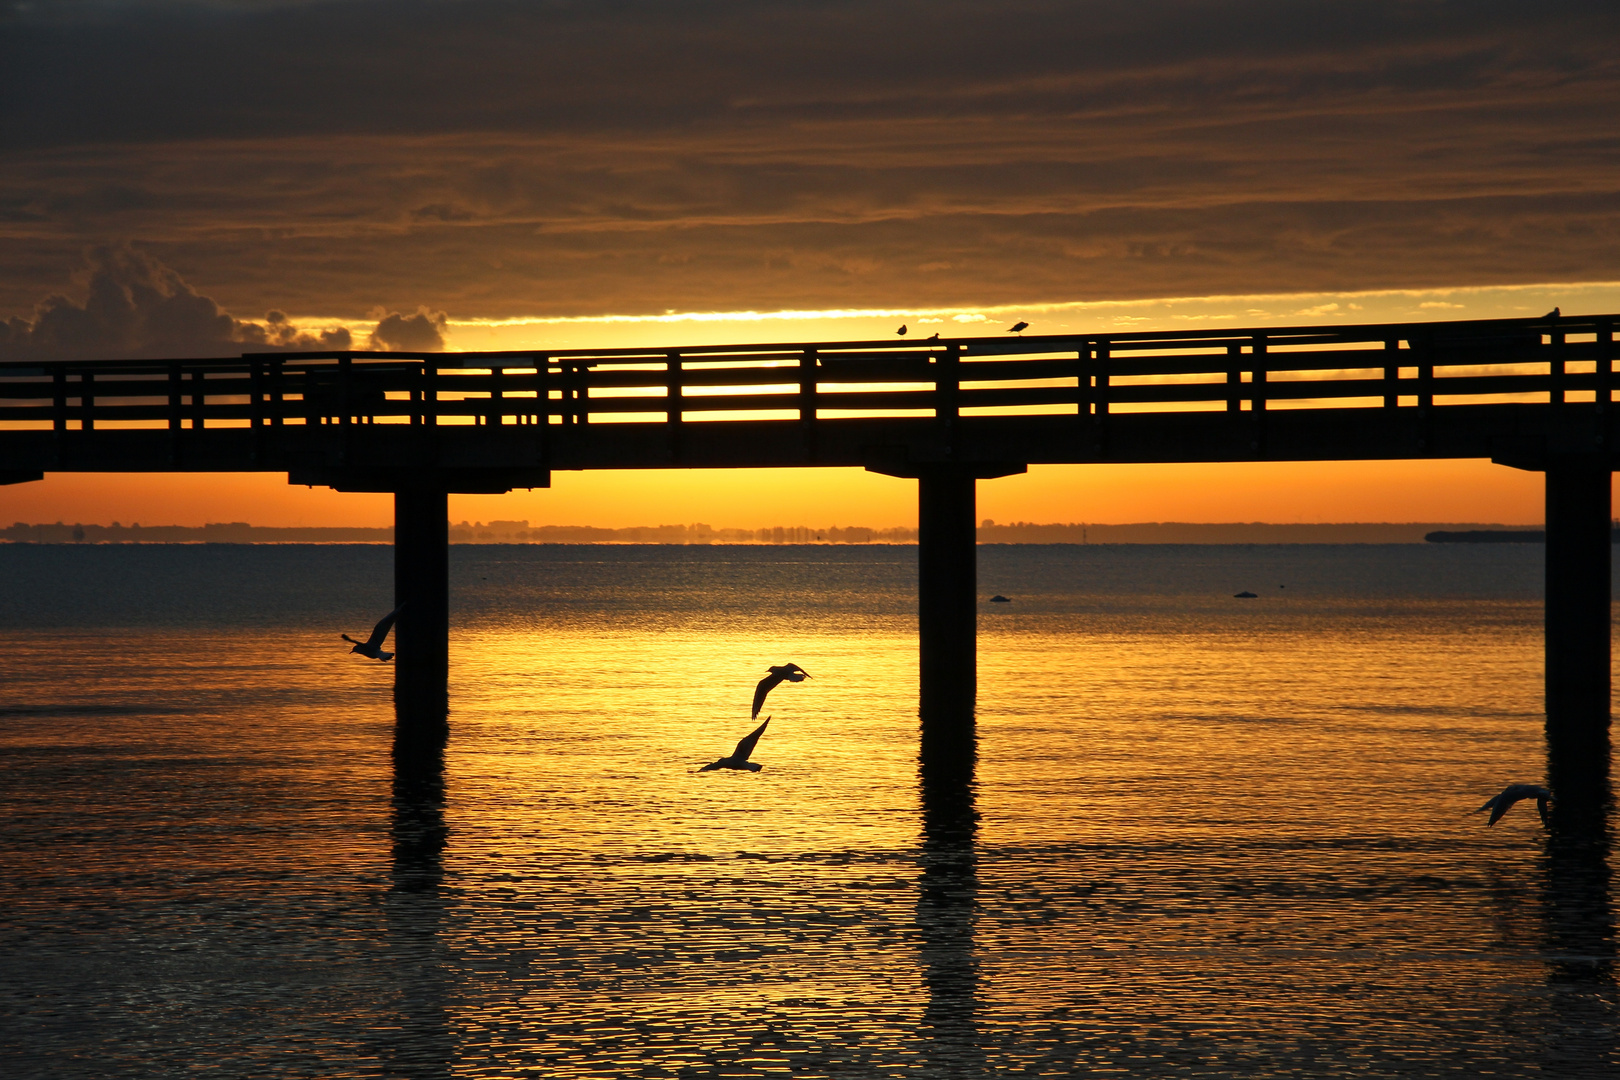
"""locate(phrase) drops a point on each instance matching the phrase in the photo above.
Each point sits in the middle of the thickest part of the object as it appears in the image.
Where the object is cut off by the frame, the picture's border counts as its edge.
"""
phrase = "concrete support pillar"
(947, 609)
(1577, 632)
(422, 584)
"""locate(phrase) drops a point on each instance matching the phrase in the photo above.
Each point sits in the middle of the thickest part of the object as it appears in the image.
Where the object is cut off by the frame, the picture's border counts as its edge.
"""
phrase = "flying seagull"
(1018, 327)
(1498, 804)
(372, 646)
(902, 330)
(739, 756)
(790, 672)
(1553, 314)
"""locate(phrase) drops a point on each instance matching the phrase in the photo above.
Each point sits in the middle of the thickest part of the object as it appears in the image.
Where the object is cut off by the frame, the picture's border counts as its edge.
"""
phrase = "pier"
(947, 414)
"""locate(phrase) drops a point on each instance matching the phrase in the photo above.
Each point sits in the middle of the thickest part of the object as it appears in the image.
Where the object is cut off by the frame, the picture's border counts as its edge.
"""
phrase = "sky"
(196, 178)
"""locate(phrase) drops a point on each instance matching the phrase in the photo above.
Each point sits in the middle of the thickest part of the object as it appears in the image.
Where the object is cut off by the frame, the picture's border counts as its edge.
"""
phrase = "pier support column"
(947, 607)
(422, 585)
(947, 610)
(1577, 631)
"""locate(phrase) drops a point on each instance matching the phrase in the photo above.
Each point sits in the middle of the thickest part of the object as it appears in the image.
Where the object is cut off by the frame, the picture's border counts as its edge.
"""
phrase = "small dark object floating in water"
(1246, 595)
(999, 599)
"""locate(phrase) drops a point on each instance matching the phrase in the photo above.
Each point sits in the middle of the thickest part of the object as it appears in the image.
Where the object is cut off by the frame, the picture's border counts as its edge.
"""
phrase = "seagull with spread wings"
(1499, 804)
(787, 672)
(372, 646)
(739, 756)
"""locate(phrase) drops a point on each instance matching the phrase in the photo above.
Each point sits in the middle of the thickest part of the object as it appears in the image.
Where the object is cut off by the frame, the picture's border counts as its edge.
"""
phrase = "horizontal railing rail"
(1385, 366)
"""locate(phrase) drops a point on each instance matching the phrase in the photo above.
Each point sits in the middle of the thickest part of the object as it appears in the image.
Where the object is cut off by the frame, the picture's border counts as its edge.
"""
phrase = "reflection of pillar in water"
(1577, 911)
(947, 897)
(419, 1043)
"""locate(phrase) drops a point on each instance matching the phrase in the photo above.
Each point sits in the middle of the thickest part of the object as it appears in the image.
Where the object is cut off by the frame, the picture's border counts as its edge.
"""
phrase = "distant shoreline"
(990, 532)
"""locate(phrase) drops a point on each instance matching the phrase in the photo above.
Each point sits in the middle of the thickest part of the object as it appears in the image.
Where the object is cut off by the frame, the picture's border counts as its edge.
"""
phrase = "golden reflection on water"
(1207, 837)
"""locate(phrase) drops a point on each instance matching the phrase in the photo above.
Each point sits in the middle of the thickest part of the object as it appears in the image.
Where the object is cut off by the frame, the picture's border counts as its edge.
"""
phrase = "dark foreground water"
(1210, 837)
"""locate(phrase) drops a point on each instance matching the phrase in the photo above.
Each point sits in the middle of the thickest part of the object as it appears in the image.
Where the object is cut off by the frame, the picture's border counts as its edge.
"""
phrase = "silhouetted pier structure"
(1532, 394)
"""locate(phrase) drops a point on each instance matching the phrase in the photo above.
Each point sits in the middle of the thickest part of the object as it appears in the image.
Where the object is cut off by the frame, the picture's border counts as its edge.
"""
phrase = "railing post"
(495, 412)
(1426, 379)
(1099, 393)
(430, 394)
(1392, 373)
(1082, 381)
(87, 401)
(1257, 376)
(256, 396)
(946, 379)
(1605, 366)
(672, 403)
(1558, 368)
(277, 404)
(1234, 378)
(199, 400)
(59, 396)
(345, 398)
(808, 379)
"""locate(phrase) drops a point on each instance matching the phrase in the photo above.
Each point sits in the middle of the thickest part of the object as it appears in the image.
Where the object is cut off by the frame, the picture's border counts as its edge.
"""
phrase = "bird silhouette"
(372, 646)
(1553, 314)
(902, 330)
(1499, 804)
(1018, 327)
(739, 756)
(934, 336)
(789, 672)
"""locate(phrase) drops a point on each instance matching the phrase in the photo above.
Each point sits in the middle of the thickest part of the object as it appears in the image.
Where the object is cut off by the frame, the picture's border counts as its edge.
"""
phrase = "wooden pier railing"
(1419, 366)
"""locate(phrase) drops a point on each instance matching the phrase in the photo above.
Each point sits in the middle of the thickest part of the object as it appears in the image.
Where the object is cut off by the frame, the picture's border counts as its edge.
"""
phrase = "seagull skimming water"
(739, 756)
(1499, 804)
(372, 646)
(789, 672)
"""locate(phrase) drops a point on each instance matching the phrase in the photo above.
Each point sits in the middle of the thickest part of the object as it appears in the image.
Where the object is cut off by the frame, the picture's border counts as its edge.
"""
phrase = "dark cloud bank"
(574, 158)
(134, 306)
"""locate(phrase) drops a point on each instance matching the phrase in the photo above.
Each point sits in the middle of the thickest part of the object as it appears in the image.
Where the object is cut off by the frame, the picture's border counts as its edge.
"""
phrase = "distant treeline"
(1489, 536)
(1018, 532)
(234, 532)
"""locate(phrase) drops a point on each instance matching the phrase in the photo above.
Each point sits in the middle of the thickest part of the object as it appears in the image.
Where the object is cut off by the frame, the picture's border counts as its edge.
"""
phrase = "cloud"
(422, 332)
(506, 159)
(135, 306)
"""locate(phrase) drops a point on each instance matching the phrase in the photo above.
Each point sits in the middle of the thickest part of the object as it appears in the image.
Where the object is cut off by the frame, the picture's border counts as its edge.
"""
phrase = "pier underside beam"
(947, 605)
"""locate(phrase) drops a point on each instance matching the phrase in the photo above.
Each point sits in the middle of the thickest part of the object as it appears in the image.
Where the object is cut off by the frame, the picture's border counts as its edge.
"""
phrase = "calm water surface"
(1210, 837)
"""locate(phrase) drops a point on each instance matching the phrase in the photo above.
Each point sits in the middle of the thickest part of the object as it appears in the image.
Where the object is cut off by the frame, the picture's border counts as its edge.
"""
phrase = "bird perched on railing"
(372, 646)
(902, 330)
(789, 672)
(1553, 314)
(1499, 804)
(1018, 327)
(739, 756)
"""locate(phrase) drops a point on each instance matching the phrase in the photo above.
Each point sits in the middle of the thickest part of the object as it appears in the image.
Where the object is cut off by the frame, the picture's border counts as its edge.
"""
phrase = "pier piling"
(947, 606)
(1577, 630)
(422, 586)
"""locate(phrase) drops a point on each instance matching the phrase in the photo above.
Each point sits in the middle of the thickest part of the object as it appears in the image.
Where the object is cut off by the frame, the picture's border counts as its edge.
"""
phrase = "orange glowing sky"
(192, 179)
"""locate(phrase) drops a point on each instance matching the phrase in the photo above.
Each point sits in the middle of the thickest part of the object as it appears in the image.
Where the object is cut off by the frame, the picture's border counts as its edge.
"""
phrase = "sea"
(1207, 836)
